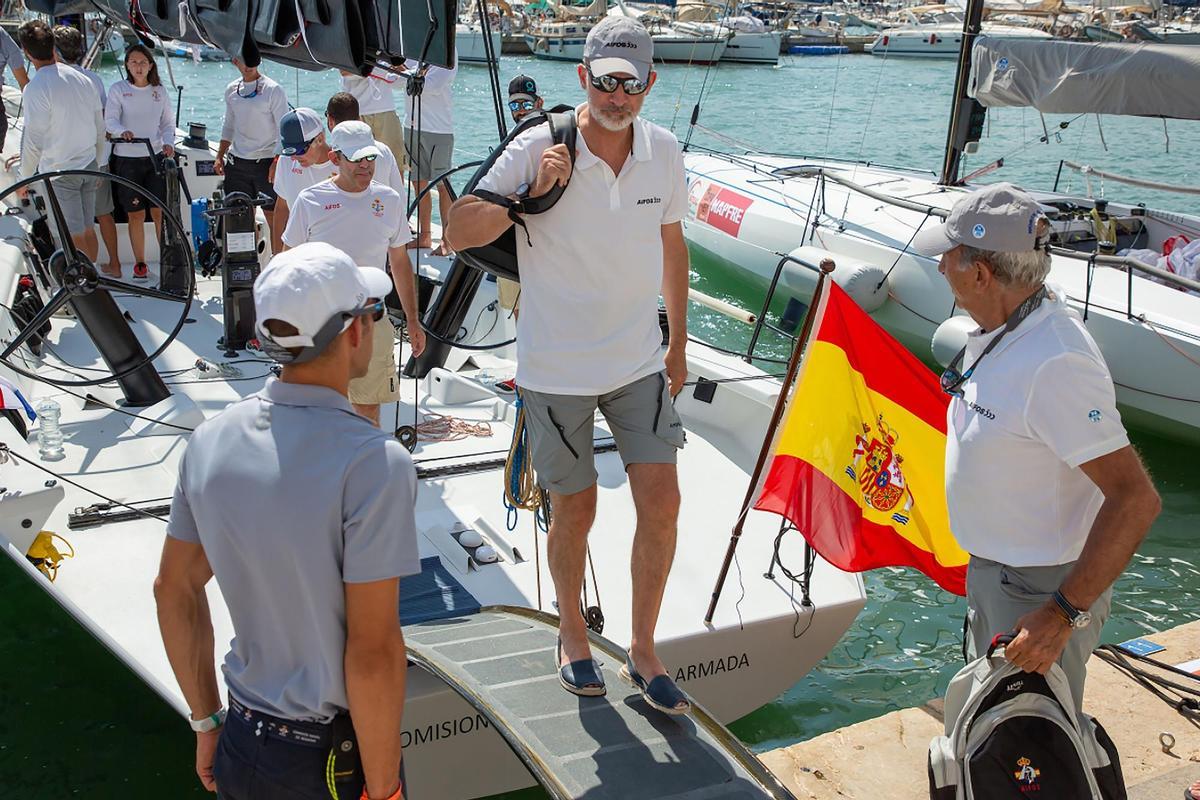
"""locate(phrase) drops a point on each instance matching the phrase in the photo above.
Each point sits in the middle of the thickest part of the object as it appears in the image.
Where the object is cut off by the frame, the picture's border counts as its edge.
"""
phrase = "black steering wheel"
(78, 277)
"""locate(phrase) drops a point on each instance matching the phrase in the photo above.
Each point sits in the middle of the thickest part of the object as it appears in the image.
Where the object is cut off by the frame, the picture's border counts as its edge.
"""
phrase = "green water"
(75, 721)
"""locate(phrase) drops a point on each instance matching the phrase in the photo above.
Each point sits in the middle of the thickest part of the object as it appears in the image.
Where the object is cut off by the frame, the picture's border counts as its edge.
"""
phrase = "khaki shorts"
(640, 414)
(386, 127)
(381, 384)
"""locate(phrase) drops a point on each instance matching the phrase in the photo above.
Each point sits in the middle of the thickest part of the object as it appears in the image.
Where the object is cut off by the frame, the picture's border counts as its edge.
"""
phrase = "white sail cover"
(1057, 77)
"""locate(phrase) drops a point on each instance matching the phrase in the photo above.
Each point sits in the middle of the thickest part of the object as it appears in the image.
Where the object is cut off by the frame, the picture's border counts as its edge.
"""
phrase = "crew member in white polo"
(64, 130)
(1044, 490)
(365, 220)
(588, 335)
(303, 512)
(303, 161)
(429, 139)
(343, 107)
(376, 98)
(254, 107)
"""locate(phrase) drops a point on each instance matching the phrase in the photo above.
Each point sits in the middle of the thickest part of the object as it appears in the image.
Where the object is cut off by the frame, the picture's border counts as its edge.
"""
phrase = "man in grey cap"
(588, 337)
(1043, 488)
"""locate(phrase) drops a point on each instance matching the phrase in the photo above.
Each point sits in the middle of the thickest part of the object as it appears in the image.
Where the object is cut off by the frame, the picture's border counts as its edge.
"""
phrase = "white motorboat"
(752, 209)
(741, 47)
(563, 40)
(469, 43)
(763, 639)
(941, 38)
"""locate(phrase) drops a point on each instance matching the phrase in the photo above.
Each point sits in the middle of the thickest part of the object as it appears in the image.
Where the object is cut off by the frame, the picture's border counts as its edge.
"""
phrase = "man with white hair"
(588, 336)
(1044, 490)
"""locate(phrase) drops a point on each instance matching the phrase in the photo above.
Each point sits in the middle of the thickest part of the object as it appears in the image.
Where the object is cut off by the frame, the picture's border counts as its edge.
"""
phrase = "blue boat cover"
(433, 593)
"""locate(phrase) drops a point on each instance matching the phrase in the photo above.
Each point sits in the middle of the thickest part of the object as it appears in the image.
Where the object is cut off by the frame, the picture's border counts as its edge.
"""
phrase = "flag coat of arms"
(859, 460)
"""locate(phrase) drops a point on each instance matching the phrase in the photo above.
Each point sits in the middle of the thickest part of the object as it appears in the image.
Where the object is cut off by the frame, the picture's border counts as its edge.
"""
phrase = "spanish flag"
(858, 464)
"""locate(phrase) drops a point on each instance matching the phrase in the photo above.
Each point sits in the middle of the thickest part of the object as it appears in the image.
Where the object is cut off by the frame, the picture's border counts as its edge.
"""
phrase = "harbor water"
(76, 722)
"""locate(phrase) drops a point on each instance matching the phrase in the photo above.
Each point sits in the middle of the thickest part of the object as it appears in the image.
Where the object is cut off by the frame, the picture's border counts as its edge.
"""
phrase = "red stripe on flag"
(832, 523)
(886, 365)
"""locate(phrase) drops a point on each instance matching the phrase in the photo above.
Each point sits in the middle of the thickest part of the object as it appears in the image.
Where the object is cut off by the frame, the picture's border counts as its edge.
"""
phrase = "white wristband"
(209, 723)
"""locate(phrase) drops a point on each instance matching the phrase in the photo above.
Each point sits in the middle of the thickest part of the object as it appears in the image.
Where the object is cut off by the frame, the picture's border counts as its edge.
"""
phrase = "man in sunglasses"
(303, 161)
(523, 98)
(588, 335)
(343, 107)
(293, 470)
(1043, 488)
(365, 220)
(254, 107)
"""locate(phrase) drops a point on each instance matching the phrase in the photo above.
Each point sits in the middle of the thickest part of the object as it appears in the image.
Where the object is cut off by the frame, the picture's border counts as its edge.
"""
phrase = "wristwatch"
(209, 723)
(1075, 618)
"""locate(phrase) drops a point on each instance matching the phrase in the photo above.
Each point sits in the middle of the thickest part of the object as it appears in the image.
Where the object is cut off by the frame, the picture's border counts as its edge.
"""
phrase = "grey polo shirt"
(292, 495)
(11, 54)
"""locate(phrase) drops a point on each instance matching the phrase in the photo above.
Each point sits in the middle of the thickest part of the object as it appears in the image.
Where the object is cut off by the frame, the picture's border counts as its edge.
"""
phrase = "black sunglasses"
(521, 105)
(328, 332)
(608, 84)
(297, 150)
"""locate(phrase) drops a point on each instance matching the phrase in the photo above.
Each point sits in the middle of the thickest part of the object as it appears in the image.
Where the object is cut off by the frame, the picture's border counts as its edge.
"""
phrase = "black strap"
(1027, 307)
(514, 207)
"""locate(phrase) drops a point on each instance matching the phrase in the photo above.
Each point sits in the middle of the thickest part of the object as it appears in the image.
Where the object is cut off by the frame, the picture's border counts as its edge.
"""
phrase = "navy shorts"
(249, 176)
(256, 762)
(140, 170)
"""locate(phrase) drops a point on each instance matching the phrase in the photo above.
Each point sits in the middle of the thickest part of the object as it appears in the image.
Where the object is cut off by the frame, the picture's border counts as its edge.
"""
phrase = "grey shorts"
(431, 156)
(77, 197)
(640, 414)
(999, 595)
(104, 195)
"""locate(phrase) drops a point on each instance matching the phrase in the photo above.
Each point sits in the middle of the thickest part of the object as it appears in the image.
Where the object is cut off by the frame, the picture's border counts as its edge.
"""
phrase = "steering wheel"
(78, 277)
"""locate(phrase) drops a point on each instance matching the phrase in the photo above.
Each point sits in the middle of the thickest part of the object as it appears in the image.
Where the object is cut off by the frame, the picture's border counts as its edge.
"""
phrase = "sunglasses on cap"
(521, 105)
(608, 84)
(328, 332)
(298, 150)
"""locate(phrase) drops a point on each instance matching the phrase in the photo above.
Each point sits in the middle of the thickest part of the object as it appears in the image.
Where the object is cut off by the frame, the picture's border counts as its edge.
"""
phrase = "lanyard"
(1027, 307)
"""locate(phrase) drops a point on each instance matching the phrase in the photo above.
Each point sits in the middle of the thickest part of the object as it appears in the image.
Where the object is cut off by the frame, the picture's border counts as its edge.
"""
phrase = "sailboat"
(134, 368)
(750, 208)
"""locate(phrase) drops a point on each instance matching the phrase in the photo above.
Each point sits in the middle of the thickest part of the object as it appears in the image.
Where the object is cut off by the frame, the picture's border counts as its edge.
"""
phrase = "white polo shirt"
(252, 114)
(374, 92)
(590, 282)
(292, 177)
(1036, 407)
(361, 224)
(437, 99)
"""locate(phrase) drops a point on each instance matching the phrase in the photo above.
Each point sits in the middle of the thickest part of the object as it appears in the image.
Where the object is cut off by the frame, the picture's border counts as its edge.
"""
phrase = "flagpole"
(764, 452)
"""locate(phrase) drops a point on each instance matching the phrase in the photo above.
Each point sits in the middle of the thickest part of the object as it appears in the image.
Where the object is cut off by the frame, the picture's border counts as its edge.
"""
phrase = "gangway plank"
(501, 660)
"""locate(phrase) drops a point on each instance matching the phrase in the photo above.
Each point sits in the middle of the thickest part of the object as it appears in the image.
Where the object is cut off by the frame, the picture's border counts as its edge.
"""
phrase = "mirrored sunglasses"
(297, 150)
(608, 84)
(521, 105)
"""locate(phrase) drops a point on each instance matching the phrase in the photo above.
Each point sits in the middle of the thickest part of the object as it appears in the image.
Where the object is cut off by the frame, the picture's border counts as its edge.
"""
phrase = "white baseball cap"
(353, 139)
(1000, 218)
(318, 290)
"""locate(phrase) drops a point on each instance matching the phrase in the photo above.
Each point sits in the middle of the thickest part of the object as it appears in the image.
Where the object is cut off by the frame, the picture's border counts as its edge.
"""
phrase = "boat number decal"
(724, 209)
(446, 729)
(713, 666)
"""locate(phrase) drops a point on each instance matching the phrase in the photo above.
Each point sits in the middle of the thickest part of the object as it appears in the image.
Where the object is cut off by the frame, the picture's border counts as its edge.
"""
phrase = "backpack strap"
(563, 130)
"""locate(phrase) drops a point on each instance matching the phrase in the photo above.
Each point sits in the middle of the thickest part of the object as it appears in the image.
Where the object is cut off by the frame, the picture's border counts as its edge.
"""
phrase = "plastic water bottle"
(49, 435)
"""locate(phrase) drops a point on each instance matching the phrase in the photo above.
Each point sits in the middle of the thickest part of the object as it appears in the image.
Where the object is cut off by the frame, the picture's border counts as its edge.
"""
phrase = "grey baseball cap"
(619, 44)
(999, 218)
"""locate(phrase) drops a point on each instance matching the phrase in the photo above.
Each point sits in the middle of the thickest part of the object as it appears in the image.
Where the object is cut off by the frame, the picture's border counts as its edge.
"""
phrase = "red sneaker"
(140, 271)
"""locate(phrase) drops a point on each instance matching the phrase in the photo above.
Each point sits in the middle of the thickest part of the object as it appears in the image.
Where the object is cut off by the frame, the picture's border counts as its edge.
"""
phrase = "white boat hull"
(738, 213)
(469, 43)
(938, 41)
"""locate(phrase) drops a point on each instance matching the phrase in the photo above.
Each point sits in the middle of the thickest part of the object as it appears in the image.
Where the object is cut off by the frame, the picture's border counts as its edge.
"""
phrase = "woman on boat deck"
(139, 108)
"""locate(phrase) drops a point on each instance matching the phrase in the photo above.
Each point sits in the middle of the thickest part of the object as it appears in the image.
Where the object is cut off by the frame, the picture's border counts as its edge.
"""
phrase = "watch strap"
(209, 723)
(1064, 605)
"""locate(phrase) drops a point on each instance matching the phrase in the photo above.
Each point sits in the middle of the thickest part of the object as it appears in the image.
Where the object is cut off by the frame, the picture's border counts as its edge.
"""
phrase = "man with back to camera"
(316, 635)
(64, 130)
(343, 107)
(365, 220)
(376, 98)
(254, 107)
(11, 56)
(588, 333)
(523, 98)
(69, 43)
(429, 139)
(1033, 416)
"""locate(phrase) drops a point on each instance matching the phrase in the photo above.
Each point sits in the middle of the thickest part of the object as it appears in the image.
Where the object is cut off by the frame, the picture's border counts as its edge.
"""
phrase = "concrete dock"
(886, 757)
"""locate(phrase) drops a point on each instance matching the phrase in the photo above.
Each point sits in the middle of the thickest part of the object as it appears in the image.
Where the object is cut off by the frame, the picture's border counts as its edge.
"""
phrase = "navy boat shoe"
(660, 691)
(579, 677)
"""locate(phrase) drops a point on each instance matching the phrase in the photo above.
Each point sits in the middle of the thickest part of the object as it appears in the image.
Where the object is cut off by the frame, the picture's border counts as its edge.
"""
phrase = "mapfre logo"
(332, 206)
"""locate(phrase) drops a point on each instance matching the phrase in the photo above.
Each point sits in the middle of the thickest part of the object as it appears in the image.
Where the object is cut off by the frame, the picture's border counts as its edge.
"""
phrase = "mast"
(966, 115)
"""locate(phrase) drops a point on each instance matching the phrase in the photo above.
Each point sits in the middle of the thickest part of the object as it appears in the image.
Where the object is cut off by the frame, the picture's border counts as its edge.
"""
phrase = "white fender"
(866, 284)
(950, 337)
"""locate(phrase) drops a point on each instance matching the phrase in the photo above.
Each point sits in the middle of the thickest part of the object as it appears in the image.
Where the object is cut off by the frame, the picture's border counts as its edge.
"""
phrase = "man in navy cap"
(587, 342)
(523, 97)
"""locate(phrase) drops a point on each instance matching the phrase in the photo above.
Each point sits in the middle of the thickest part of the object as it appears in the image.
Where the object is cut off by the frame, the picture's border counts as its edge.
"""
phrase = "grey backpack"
(1013, 734)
